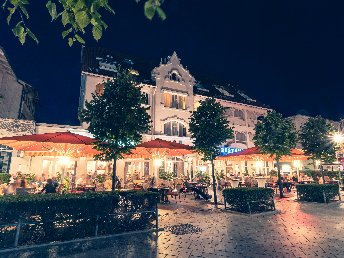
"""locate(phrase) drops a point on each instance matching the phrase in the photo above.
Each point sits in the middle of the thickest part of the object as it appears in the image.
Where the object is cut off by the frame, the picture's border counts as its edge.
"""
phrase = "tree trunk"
(114, 175)
(280, 186)
(214, 181)
(322, 173)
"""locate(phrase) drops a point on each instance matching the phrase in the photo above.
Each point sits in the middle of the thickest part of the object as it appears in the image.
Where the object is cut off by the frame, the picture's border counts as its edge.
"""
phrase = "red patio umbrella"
(159, 147)
(254, 153)
(52, 144)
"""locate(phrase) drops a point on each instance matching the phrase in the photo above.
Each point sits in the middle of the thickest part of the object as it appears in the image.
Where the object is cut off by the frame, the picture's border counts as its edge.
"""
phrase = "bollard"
(16, 239)
(157, 220)
(249, 207)
(324, 197)
(340, 198)
(96, 232)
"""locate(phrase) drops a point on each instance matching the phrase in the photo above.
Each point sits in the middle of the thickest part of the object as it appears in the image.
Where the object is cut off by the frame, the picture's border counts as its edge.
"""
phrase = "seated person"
(152, 182)
(80, 181)
(23, 189)
(49, 187)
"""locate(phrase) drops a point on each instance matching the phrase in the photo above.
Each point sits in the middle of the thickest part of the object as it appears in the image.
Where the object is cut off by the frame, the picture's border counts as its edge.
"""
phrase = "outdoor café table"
(203, 188)
(287, 185)
(163, 191)
(307, 182)
(333, 182)
(193, 183)
(87, 188)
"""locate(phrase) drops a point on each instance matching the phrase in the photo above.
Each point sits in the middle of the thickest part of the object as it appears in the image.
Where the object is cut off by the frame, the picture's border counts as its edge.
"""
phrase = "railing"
(21, 223)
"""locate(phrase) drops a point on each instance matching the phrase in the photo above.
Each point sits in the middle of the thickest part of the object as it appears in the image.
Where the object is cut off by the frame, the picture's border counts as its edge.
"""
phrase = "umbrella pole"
(30, 161)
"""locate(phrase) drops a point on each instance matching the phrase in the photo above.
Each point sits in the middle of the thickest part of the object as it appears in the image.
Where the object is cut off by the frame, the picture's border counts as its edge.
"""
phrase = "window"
(196, 105)
(174, 101)
(146, 98)
(174, 128)
(174, 76)
(240, 137)
(99, 89)
(239, 113)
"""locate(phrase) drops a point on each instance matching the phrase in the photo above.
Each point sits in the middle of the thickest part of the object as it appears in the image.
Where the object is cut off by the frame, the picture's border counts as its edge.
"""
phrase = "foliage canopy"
(275, 135)
(76, 16)
(209, 128)
(316, 141)
(118, 117)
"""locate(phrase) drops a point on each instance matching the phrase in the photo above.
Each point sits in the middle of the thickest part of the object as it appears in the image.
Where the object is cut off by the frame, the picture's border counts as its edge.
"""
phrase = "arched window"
(240, 137)
(146, 97)
(174, 76)
(239, 113)
(174, 128)
(99, 89)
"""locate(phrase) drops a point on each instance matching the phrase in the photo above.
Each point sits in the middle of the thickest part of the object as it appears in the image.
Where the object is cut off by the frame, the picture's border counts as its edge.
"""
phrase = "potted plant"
(261, 181)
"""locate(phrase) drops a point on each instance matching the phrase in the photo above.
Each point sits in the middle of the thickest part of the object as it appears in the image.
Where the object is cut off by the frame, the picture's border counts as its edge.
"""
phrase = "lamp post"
(297, 165)
(338, 138)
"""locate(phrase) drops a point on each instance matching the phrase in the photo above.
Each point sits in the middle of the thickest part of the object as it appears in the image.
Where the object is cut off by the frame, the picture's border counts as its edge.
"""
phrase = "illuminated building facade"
(171, 93)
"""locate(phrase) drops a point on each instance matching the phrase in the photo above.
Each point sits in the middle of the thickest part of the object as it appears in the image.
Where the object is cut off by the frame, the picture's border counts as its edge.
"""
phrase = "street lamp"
(338, 138)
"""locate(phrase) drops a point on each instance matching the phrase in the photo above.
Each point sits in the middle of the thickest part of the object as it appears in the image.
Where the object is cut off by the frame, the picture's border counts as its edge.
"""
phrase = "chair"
(25, 190)
(188, 188)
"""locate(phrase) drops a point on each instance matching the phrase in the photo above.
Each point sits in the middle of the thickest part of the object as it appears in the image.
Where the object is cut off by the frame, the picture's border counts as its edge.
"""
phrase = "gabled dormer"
(171, 74)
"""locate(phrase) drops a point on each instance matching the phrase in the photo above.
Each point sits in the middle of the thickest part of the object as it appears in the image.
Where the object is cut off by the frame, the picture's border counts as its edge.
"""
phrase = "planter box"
(261, 182)
(234, 183)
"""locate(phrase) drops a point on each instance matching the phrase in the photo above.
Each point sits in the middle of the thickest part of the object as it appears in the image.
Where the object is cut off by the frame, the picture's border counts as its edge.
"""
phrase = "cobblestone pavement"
(295, 230)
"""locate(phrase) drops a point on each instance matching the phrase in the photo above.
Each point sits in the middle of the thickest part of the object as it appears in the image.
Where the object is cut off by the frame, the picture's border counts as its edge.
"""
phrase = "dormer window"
(175, 76)
(146, 98)
(99, 89)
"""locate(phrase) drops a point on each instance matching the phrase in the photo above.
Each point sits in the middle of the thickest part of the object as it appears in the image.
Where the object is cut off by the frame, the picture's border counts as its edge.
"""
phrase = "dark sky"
(288, 54)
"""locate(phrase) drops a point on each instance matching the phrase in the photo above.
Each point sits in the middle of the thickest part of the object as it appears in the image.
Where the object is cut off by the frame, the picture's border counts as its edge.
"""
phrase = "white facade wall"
(183, 86)
(17, 98)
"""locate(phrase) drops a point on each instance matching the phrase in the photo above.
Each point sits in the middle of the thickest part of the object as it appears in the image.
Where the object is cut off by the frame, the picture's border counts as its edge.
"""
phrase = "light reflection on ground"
(295, 230)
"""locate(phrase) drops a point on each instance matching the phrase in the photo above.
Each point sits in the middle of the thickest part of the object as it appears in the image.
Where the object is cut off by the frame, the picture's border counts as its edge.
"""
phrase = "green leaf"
(149, 9)
(109, 8)
(11, 12)
(4, 4)
(29, 32)
(70, 41)
(52, 9)
(18, 29)
(79, 39)
(80, 4)
(65, 18)
(97, 32)
(82, 19)
(161, 13)
(23, 9)
(22, 38)
(66, 32)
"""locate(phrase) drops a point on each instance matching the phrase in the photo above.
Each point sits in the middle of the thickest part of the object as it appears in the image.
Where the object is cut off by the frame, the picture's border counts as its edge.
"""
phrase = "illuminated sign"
(227, 150)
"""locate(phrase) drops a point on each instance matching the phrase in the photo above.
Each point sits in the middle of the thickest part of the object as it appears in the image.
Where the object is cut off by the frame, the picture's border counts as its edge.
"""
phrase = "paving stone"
(198, 229)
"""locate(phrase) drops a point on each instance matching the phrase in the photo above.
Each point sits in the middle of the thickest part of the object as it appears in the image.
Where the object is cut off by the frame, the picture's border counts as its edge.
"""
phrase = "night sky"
(287, 54)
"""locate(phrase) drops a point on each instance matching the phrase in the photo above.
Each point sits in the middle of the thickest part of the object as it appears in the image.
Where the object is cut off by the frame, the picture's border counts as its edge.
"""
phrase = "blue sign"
(228, 150)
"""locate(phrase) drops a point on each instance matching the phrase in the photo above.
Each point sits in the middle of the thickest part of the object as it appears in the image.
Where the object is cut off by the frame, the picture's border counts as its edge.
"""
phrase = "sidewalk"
(198, 229)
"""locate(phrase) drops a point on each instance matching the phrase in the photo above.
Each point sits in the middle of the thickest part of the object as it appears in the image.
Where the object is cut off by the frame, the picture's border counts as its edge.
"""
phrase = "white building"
(172, 92)
(17, 98)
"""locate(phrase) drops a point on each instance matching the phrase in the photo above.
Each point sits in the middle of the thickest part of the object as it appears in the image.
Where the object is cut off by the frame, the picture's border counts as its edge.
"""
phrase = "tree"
(117, 118)
(276, 136)
(315, 139)
(209, 129)
(76, 16)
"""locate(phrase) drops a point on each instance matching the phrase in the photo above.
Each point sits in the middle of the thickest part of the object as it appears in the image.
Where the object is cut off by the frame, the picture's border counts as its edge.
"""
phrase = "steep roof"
(103, 62)
(225, 92)
(4, 63)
